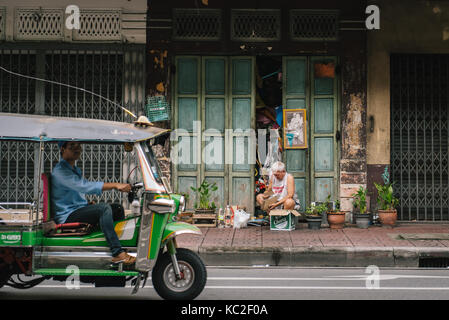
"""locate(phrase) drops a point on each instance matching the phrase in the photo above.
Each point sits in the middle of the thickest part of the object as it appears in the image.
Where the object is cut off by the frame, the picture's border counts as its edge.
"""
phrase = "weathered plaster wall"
(406, 26)
(353, 118)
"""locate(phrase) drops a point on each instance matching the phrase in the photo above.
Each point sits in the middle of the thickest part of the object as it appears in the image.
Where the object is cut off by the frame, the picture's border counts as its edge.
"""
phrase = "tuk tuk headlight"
(182, 204)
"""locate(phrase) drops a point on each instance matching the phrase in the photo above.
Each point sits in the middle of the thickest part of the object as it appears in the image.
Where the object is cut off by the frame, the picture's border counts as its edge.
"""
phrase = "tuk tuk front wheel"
(193, 276)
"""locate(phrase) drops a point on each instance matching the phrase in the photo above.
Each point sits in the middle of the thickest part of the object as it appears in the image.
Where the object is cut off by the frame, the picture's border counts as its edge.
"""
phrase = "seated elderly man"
(281, 186)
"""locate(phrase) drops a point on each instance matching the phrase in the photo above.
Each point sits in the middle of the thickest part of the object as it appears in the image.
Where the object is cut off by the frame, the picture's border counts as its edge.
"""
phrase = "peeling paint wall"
(353, 120)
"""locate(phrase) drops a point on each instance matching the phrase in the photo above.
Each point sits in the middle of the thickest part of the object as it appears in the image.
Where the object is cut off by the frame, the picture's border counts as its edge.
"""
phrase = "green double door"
(214, 128)
(214, 117)
(315, 169)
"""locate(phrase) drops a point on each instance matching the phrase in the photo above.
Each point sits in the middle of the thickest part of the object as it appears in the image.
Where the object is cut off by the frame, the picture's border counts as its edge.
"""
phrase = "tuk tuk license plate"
(10, 238)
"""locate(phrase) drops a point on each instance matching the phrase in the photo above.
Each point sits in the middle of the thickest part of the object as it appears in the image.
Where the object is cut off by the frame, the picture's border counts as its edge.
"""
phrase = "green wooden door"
(214, 121)
(315, 169)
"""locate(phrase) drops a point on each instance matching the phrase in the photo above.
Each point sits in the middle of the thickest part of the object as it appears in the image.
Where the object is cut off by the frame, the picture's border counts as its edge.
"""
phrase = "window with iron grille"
(420, 135)
(197, 24)
(312, 25)
(99, 71)
(255, 25)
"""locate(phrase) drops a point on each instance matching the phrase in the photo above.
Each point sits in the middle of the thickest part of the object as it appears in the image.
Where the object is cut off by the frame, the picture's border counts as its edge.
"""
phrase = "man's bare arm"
(123, 187)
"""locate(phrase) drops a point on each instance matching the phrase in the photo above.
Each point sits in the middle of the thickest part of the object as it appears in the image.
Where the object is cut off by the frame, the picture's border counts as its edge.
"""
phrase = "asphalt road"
(269, 283)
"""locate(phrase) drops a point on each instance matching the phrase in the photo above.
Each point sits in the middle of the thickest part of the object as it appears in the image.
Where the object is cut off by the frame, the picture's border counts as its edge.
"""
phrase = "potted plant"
(313, 215)
(203, 204)
(335, 216)
(386, 203)
(360, 212)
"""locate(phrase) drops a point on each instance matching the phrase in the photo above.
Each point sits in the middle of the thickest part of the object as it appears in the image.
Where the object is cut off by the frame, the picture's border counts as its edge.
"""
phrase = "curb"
(399, 257)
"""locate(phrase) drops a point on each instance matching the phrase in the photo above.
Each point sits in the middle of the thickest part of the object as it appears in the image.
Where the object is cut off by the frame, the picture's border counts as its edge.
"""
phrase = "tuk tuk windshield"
(157, 172)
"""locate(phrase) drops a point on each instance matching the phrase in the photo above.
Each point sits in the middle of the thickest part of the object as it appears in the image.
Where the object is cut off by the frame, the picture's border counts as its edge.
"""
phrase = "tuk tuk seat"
(51, 229)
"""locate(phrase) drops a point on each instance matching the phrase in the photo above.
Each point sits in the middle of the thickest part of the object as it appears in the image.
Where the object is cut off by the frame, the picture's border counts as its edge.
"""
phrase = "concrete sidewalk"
(348, 247)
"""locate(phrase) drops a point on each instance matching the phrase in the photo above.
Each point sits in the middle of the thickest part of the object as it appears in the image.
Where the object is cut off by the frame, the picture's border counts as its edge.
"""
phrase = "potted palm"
(386, 203)
(335, 216)
(360, 213)
(203, 203)
(314, 215)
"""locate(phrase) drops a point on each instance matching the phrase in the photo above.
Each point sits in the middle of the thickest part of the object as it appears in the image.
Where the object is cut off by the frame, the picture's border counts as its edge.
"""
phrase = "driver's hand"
(123, 187)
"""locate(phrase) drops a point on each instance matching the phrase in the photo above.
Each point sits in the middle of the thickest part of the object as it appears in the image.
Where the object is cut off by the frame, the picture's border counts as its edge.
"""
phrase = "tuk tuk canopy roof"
(14, 126)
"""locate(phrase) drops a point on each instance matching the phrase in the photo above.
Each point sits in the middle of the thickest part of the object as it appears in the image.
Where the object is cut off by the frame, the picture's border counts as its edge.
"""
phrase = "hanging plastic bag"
(241, 219)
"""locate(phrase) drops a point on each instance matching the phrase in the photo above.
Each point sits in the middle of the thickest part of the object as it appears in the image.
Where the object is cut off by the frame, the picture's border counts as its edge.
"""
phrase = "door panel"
(241, 113)
(187, 113)
(323, 187)
(324, 154)
(241, 76)
(324, 116)
(222, 98)
(296, 71)
(215, 76)
(323, 126)
(187, 76)
(242, 192)
(315, 169)
(296, 161)
(215, 114)
(296, 104)
(184, 184)
(294, 91)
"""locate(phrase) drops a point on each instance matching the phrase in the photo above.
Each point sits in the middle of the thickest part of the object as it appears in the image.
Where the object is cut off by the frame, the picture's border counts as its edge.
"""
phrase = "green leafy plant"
(204, 194)
(360, 200)
(385, 197)
(337, 205)
(316, 210)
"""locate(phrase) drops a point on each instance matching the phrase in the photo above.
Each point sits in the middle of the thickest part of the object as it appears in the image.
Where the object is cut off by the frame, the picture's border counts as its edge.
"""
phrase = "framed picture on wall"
(295, 129)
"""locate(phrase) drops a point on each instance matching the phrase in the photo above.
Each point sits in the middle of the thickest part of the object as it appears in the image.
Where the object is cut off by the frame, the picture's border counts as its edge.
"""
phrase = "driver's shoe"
(124, 258)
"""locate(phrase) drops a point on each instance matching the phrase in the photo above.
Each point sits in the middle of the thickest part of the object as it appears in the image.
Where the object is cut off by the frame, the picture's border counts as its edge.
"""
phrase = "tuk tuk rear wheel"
(193, 271)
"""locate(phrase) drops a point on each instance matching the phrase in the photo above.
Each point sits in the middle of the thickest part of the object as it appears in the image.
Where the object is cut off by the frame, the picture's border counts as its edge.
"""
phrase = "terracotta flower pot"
(336, 219)
(388, 217)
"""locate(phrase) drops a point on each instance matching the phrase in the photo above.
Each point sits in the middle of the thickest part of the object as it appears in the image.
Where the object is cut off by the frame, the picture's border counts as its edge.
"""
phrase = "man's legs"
(289, 204)
(99, 213)
(118, 212)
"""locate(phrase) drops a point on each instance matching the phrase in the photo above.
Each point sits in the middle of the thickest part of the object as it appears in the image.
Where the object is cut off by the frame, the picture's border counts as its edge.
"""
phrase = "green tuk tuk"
(31, 244)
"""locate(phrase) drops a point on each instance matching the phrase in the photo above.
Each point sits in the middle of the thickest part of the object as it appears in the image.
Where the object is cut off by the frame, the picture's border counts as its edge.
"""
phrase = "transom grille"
(311, 25)
(419, 135)
(2, 22)
(99, 25)
(255, 25)
(38, 24)
(197, 24)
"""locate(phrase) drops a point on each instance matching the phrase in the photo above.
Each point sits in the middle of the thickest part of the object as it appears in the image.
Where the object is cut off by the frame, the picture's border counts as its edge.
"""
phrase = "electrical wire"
(68, 86)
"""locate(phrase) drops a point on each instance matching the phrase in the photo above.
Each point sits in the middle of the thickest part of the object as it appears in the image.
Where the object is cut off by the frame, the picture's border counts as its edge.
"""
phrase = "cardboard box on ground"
(283, 220)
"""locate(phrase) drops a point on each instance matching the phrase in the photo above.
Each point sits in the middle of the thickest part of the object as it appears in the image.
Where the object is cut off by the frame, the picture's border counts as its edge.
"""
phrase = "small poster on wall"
(295, 129)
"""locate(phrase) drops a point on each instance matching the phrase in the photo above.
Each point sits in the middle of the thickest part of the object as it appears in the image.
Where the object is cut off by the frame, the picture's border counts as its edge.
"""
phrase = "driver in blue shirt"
(68, 195)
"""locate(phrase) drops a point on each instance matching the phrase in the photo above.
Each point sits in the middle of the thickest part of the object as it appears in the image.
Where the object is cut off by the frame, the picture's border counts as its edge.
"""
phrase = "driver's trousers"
(103, 214)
